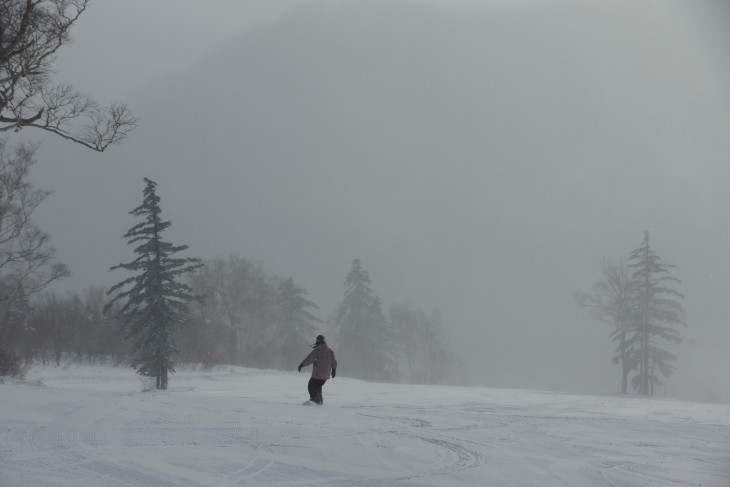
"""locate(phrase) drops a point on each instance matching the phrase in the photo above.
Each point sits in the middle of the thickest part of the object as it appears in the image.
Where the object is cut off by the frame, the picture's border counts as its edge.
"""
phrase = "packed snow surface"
(81, 426)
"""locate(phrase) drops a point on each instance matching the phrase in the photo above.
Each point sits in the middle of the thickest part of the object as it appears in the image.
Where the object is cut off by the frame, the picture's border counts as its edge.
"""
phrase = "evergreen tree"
(155, 301)
(363, 337)
(296, 324)
(658, 313)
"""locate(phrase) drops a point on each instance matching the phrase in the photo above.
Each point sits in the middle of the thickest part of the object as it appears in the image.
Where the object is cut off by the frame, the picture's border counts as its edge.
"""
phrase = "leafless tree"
(424, 353)
(31, 33)
(27, 258)
(235, 291)
(613, 301)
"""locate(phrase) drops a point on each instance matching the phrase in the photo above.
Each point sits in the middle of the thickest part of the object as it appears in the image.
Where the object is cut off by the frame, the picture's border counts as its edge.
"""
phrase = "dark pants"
(315, 390)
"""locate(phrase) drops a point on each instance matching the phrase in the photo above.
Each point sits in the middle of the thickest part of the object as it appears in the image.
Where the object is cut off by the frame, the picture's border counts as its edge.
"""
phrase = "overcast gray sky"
(479, 157)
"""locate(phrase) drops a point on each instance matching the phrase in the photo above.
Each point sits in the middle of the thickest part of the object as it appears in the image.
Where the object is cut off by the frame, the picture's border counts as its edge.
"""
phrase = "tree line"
(218, 311)
(230, 311)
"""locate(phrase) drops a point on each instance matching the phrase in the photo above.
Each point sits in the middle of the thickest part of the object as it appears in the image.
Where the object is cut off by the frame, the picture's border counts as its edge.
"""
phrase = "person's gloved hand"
(334, 372)
(299, 369)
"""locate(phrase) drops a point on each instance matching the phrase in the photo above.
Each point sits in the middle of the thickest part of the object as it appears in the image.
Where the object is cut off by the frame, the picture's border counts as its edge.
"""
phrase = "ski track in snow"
(84, 426)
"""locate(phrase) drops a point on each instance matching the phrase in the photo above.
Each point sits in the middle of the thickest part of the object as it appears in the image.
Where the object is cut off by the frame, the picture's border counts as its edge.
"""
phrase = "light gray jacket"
(323, 359)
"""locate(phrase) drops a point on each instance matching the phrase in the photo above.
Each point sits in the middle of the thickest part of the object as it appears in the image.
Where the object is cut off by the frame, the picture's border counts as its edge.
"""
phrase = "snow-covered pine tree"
(658, 314)
(363, 337)
(154, 302)
(296, 324)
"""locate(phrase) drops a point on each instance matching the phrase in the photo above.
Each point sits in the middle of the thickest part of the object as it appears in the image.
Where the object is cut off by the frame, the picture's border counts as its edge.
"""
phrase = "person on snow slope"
(324, 366)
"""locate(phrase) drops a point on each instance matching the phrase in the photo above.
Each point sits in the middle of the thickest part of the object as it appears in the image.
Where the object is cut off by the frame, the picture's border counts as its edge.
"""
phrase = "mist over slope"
(477, 159)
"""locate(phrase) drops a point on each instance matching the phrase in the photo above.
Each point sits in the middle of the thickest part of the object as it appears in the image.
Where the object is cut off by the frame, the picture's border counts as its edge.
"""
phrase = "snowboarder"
(325, 366)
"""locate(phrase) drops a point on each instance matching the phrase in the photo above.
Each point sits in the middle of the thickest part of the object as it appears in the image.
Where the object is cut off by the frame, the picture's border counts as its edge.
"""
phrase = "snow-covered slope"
(93, 426)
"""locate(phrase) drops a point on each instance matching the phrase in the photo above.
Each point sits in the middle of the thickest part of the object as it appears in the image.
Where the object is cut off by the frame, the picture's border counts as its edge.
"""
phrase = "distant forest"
(243, 316)
(220, 311)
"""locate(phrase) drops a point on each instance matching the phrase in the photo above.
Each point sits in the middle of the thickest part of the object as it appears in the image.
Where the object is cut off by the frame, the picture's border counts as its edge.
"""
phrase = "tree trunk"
(644, 382)
(651, 379)
(624, 365)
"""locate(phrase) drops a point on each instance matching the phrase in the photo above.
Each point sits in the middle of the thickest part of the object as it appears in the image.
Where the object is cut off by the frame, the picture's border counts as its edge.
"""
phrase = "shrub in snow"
(11, 365)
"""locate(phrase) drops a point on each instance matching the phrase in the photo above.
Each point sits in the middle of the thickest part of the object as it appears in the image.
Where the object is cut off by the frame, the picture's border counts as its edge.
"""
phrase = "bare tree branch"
(27, 258)
(31, 32)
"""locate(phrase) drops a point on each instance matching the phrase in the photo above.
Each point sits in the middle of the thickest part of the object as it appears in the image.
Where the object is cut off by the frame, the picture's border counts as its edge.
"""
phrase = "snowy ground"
(90, 427)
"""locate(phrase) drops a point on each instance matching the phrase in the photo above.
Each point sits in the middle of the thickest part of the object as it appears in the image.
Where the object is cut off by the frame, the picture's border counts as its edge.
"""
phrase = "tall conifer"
(363, 336)
(296, 324)
(154, 301)
(658, 314)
